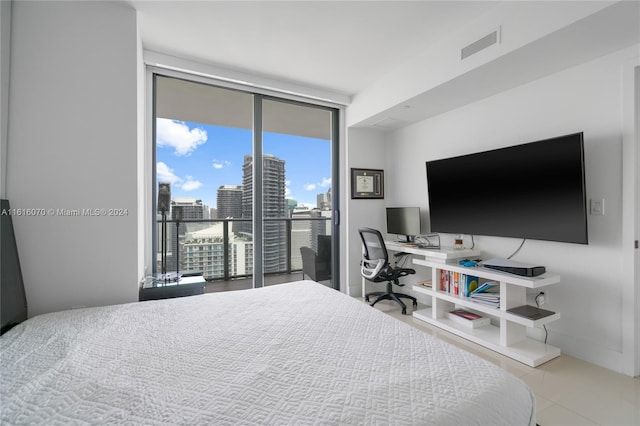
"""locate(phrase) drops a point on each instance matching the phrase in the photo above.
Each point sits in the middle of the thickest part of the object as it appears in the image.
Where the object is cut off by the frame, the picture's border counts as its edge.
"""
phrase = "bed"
(292, 354)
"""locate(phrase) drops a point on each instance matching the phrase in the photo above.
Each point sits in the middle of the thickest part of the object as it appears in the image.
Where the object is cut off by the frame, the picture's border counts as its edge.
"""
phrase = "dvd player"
(512, 267)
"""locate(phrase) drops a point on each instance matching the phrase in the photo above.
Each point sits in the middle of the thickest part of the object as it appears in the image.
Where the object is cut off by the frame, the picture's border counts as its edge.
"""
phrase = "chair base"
(390, 295)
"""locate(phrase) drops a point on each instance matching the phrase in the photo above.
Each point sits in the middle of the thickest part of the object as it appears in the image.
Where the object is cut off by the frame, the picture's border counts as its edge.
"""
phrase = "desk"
(444, 254)
(187, 286)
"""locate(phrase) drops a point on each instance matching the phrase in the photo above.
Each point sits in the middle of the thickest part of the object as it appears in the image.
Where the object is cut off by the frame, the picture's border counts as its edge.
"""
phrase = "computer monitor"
(404, 222)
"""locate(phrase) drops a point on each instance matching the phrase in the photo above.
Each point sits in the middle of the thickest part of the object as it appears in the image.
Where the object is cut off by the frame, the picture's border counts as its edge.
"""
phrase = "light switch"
(597, 207)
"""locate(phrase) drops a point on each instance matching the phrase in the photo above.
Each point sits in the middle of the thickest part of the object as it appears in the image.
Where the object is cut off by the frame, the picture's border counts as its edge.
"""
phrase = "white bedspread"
(291, 354)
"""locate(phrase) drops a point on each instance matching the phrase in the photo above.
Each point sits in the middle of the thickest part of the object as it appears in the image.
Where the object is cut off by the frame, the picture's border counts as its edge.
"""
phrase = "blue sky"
(197, 158)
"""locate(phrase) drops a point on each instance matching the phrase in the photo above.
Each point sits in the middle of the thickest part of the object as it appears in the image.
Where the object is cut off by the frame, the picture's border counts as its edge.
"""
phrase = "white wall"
(5, 49)
(586, 98)
(364, 151)
(72, 144)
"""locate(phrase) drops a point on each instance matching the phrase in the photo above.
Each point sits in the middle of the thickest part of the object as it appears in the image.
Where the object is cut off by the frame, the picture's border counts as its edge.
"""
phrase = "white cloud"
(176, 134)
(219, 164)
(165, 174)
(326, 183)
(191, 184)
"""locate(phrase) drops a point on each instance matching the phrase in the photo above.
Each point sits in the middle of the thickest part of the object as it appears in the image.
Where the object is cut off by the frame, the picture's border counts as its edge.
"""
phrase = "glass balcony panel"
(189, 240)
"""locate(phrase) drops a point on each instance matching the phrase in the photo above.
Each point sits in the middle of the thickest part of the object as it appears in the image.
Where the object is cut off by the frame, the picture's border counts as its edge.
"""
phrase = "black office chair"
(375, 267)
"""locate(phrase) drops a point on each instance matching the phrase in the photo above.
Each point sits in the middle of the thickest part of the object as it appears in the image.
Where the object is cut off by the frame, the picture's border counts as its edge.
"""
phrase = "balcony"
(222, 249)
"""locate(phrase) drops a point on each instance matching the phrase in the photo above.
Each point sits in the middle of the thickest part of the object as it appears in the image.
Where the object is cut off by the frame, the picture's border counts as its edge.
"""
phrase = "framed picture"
(367, 183)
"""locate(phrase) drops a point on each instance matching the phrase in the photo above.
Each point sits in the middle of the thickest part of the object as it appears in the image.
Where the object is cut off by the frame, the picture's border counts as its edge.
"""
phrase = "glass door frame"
(259, 96)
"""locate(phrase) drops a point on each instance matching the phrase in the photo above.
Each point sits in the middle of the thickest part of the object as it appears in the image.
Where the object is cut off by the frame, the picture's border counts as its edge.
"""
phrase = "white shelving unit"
(509, 337)
(440, 255)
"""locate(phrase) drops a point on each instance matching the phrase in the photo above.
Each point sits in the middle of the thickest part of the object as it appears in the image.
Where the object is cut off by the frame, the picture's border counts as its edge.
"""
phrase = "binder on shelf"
(469, 319)
(470, 284)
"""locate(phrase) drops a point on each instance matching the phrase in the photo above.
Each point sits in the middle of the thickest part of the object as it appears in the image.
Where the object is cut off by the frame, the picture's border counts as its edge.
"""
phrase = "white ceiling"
(339, 46)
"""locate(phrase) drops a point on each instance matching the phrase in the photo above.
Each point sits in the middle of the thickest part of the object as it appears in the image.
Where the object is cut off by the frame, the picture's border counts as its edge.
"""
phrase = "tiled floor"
(568, 391)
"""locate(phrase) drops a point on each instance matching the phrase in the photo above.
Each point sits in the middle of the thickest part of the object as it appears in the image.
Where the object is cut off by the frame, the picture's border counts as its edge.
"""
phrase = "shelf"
(491, 274)
(486, 309)
(508, 332)
(527, 351)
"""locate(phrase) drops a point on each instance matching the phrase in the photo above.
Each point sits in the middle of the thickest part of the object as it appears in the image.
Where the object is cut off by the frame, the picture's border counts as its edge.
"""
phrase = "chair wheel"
(415, 304)
(404, 311)
(366, 299)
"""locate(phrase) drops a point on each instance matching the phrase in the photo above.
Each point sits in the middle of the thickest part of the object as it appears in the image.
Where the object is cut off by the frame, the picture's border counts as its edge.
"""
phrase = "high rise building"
(324, 201)
(320, 227)
(229, 201)
(182, 208)
(300, 234)
(230, 204)
(203, 250)
(190, 208)
(273, 201)
(306, 232)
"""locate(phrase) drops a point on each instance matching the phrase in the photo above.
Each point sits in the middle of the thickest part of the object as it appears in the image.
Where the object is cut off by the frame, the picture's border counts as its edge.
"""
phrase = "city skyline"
(198, 158)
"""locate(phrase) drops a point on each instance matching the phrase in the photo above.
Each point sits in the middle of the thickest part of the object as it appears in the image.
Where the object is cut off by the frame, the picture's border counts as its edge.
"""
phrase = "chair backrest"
(324, 248)
(374, 253)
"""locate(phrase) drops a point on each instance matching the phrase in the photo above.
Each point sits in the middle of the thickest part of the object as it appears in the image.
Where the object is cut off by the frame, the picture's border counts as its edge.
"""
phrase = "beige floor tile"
(556, 415)
(568, 391)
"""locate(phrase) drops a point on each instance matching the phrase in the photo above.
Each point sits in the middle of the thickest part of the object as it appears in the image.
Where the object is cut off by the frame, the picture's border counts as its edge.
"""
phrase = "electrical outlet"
(597, 207)
(541, 298)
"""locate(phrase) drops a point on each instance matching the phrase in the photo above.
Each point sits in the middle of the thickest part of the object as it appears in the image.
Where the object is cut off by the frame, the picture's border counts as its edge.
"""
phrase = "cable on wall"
(518, 249)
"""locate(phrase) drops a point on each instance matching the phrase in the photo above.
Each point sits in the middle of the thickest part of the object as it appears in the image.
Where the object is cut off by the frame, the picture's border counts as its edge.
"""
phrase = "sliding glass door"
(297, 185)
(250, 179)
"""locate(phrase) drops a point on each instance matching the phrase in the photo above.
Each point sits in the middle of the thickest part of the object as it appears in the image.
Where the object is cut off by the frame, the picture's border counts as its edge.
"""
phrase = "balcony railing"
(222, 249)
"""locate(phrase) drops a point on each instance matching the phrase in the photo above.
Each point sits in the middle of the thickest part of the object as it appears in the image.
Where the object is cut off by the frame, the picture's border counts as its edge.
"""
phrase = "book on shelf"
(467, 318)
(488, 296)
(457, 283)
(488, 287)
(489, 302)
(487, 293)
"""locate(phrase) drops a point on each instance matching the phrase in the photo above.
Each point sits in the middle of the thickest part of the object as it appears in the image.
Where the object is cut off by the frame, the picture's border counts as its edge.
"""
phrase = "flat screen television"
(404, 222)
(534, 190)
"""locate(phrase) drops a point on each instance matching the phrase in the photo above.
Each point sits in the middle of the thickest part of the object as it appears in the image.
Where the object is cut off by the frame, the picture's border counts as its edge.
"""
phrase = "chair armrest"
(370, 268)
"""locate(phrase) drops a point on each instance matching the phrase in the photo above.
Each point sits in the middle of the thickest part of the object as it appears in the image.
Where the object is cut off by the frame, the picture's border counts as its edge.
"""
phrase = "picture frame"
(367, 183)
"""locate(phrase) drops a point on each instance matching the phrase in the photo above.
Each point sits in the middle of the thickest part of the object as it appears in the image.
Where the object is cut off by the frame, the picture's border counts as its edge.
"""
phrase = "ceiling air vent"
(388, 123)
(489, 40)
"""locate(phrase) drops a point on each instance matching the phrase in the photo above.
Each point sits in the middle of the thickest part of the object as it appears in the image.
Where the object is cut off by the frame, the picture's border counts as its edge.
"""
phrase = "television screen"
(534, 191)
(403, 221)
